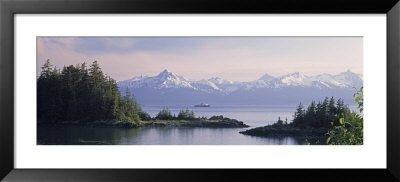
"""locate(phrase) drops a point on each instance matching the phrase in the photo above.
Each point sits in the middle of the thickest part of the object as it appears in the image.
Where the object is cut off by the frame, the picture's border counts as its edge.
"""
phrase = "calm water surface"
(251, 115)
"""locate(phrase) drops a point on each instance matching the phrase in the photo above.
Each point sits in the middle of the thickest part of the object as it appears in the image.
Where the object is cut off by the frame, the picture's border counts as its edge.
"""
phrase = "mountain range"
(292, 88)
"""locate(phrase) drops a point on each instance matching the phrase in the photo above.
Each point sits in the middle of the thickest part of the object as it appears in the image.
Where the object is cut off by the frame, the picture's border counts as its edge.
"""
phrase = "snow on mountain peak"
(166, 79)
(292, 79)
(170, 80)
(166, 74)
(266, 77)
(294, 74)
(219, 81)
(349, 79)
(205, 85)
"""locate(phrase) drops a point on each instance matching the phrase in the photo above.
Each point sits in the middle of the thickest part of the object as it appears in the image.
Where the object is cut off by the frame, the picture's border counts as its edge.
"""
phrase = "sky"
(195, 58)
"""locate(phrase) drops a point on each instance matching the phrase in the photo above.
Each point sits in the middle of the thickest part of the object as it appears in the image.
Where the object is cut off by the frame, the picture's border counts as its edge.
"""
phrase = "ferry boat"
(202, 105)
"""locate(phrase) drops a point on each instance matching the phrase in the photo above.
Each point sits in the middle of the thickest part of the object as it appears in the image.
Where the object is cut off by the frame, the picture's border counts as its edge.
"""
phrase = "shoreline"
(312, 136)
(285, 131)
(223, 123)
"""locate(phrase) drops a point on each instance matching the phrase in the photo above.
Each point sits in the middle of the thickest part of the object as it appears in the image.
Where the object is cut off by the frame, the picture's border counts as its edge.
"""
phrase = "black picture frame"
(9, 8)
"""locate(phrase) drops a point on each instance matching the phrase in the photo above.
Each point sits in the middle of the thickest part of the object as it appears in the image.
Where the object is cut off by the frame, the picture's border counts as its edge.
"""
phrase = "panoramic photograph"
(199, 90)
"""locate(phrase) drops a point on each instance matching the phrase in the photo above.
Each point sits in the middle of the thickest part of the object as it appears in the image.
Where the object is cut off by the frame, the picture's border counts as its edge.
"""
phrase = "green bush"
(186, 115)
(164, 114)
(350, 131)
(144, 116)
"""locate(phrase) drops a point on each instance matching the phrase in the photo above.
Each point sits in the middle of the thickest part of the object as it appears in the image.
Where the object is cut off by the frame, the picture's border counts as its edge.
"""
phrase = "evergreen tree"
(279, 122)
(321, 115)
(350, 130)
(46, 70)
(339, 106)
(311, 115)
(332, 107)
(333, 116)
(186, 115)
(79, 94)
(164, 114)
(299, 116)
(49, 94)
(144, 116)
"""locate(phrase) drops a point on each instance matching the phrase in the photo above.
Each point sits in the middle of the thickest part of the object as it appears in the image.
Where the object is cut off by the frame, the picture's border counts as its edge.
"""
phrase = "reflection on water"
(252, 115)
(155, 136)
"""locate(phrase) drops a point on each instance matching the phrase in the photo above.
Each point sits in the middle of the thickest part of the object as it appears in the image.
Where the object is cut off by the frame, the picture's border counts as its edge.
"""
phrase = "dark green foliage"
(321, 115)
(165, 114)
(329, 120)
(350, 129)
(83, 95)
(285, 130)
(49, 94)
(279, 122)
(217, 117)
(186, 115)
(144, 116)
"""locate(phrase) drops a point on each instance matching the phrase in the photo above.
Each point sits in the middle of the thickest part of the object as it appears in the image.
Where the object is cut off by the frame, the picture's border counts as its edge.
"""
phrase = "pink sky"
(233, 58)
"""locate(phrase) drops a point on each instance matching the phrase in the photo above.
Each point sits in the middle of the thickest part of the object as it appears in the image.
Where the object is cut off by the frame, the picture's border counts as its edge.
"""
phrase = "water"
(251, 115)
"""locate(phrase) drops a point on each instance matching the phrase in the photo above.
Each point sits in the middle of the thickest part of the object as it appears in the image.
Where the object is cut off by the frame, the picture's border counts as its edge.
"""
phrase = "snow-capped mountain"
(170, 80)
(171, 85)
(346, 79)
(266, 77)
(292, 79)
(163, 80)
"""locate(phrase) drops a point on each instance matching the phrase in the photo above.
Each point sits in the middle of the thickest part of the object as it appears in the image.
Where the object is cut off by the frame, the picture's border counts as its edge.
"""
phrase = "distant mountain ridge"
(168, 79)
(170, 85)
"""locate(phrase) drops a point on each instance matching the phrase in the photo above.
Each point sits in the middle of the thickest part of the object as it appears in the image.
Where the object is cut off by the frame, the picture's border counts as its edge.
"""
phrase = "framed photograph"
(155, 90)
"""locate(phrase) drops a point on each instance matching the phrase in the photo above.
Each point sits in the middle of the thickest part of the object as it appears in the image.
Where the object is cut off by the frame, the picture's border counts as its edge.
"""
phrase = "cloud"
(123, 45)
(100, 46)
(242, 59)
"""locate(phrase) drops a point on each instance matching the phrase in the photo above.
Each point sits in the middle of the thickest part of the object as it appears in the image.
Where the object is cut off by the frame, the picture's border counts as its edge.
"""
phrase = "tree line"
(343, 126)
(324, 114)
(165, 114)
(78, 93)
(350, 130)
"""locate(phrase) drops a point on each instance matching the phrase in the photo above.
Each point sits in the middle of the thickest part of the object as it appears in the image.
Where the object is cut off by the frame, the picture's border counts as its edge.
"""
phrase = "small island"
(212, 122)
